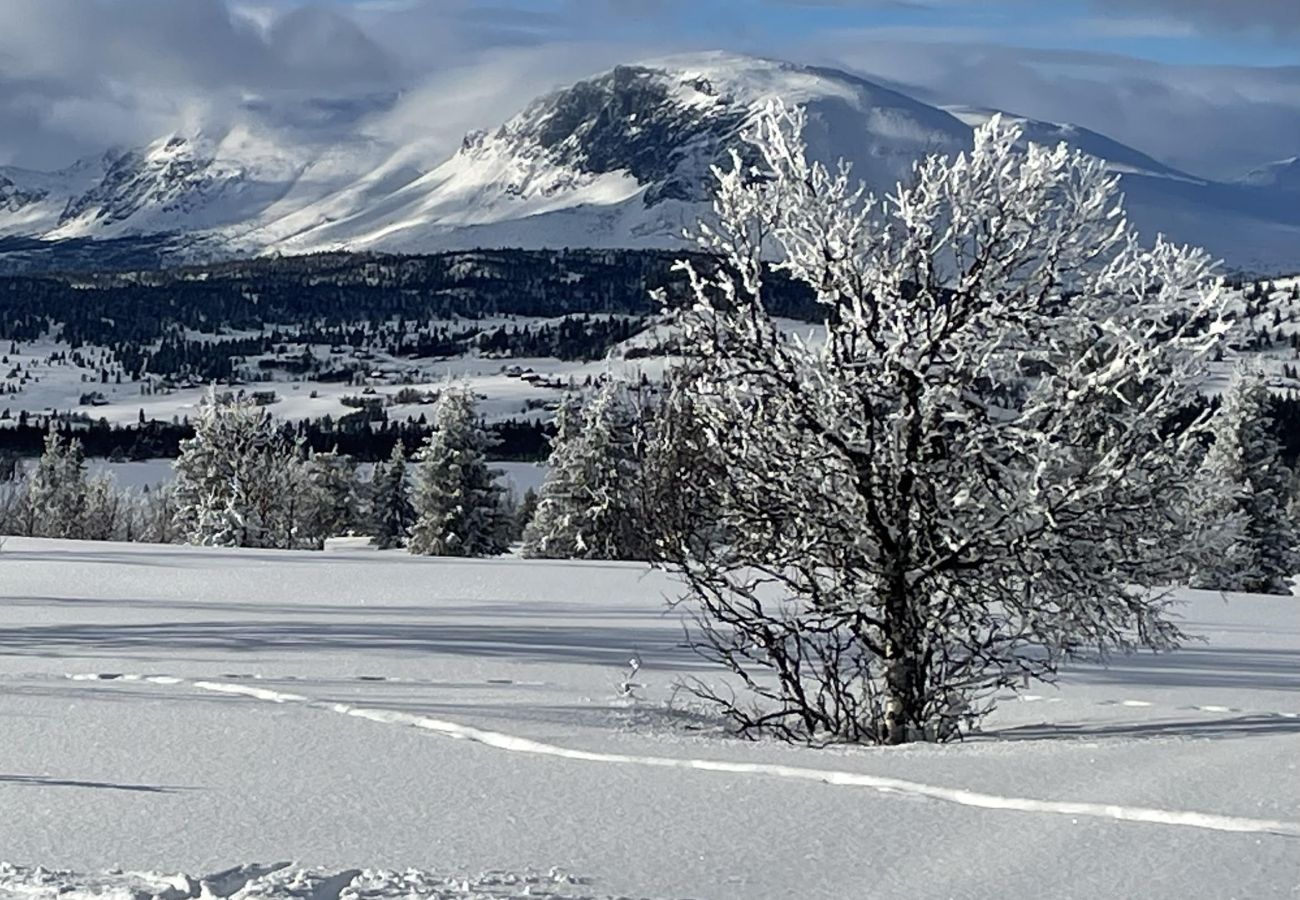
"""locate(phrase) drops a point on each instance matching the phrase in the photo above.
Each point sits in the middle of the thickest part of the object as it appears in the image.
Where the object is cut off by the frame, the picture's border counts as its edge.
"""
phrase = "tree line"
(367, 436)
(149, 319)
(996, 459)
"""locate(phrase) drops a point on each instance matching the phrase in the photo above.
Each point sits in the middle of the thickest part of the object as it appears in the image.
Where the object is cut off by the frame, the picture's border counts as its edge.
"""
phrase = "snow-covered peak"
(192, 182)
(1119, 157)
(664, 121)
(31, 203)
(1283, 175)
(169, 174)
(15, 197)
(621, 159)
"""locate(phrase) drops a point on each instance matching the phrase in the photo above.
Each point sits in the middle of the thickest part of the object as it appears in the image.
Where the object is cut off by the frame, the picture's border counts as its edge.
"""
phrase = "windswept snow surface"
(437, 728)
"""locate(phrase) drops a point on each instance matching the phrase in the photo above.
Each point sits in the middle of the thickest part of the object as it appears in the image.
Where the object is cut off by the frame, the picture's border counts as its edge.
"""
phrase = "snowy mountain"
(31, 203)
(1283, 175)
(1119, 157)
(196, 184)
(623, 160)
(1249, 224)
(619, 160)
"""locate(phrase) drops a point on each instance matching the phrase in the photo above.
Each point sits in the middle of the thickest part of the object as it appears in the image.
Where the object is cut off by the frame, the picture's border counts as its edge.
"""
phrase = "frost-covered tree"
(682, 474)
(456, 500)
(967, 477)
(331, 504)
(562, 482)
(238, 480)
(57, 493)
(108, 512)
(524, 513)
(15, 512)
(156, 515)
(589, 506)
(391, 512)
(1244, 492)
(60, 500)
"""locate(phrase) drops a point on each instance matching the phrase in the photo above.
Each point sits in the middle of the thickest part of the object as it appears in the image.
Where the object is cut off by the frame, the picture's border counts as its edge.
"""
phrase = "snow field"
(151, 473)
(173, 709)
(59, 386)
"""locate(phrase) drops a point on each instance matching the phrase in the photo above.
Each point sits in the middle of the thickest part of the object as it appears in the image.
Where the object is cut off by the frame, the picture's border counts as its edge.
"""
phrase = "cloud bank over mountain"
(77, 76)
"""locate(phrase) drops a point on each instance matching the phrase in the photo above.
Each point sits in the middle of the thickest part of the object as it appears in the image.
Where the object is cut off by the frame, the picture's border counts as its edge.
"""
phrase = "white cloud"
(1213, 121)
(78, 75)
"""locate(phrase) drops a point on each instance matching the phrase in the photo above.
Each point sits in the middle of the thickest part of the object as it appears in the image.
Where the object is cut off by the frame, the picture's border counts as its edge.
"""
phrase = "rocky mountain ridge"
(618, 160)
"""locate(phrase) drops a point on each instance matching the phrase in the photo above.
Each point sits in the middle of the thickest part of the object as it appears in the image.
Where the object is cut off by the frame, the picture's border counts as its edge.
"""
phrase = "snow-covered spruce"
(60, 500)
(1243, 497)
(391, 514)
(966, 479)
(241, 482)
(588, 507)
(332, 501)
(457, 503)
(56, 495)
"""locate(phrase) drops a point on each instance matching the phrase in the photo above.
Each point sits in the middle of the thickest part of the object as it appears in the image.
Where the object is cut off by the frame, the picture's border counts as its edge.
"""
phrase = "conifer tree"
(1244, 494)
(108, 512)
(57, 494)
(156, 510)
(236, 479)
(525, 512)
(391, 512)
(589, 504)
(682, 476)
(456, 499)
(331, 501)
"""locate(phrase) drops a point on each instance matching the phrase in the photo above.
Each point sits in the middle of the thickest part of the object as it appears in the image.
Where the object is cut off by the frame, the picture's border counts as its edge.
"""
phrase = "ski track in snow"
(509, 682)
(515, 744)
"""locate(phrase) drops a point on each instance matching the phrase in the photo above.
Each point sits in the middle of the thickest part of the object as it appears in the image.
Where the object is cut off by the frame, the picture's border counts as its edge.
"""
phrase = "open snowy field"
(56, 383)
(152, 473)
(170, 709)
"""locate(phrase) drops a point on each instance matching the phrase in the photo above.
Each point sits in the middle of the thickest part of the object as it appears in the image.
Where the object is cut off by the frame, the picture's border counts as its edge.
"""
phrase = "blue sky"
(1212, 86)
(1191, 32)
(1158, 34)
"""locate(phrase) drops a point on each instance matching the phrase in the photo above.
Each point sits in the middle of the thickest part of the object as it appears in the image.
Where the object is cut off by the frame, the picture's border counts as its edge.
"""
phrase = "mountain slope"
(1284, 175)
(622, 160)
(1248, 224)
(198, 184)
(1119, 157)
(619, 160)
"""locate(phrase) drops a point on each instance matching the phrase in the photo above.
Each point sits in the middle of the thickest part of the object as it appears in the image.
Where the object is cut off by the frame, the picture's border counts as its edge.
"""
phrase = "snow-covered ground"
(56, 383)
(170, 709)
(58, 386)
(151, 473)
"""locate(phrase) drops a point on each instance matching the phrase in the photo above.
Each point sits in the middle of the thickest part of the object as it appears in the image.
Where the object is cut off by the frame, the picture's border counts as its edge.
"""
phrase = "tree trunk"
(902, 691)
